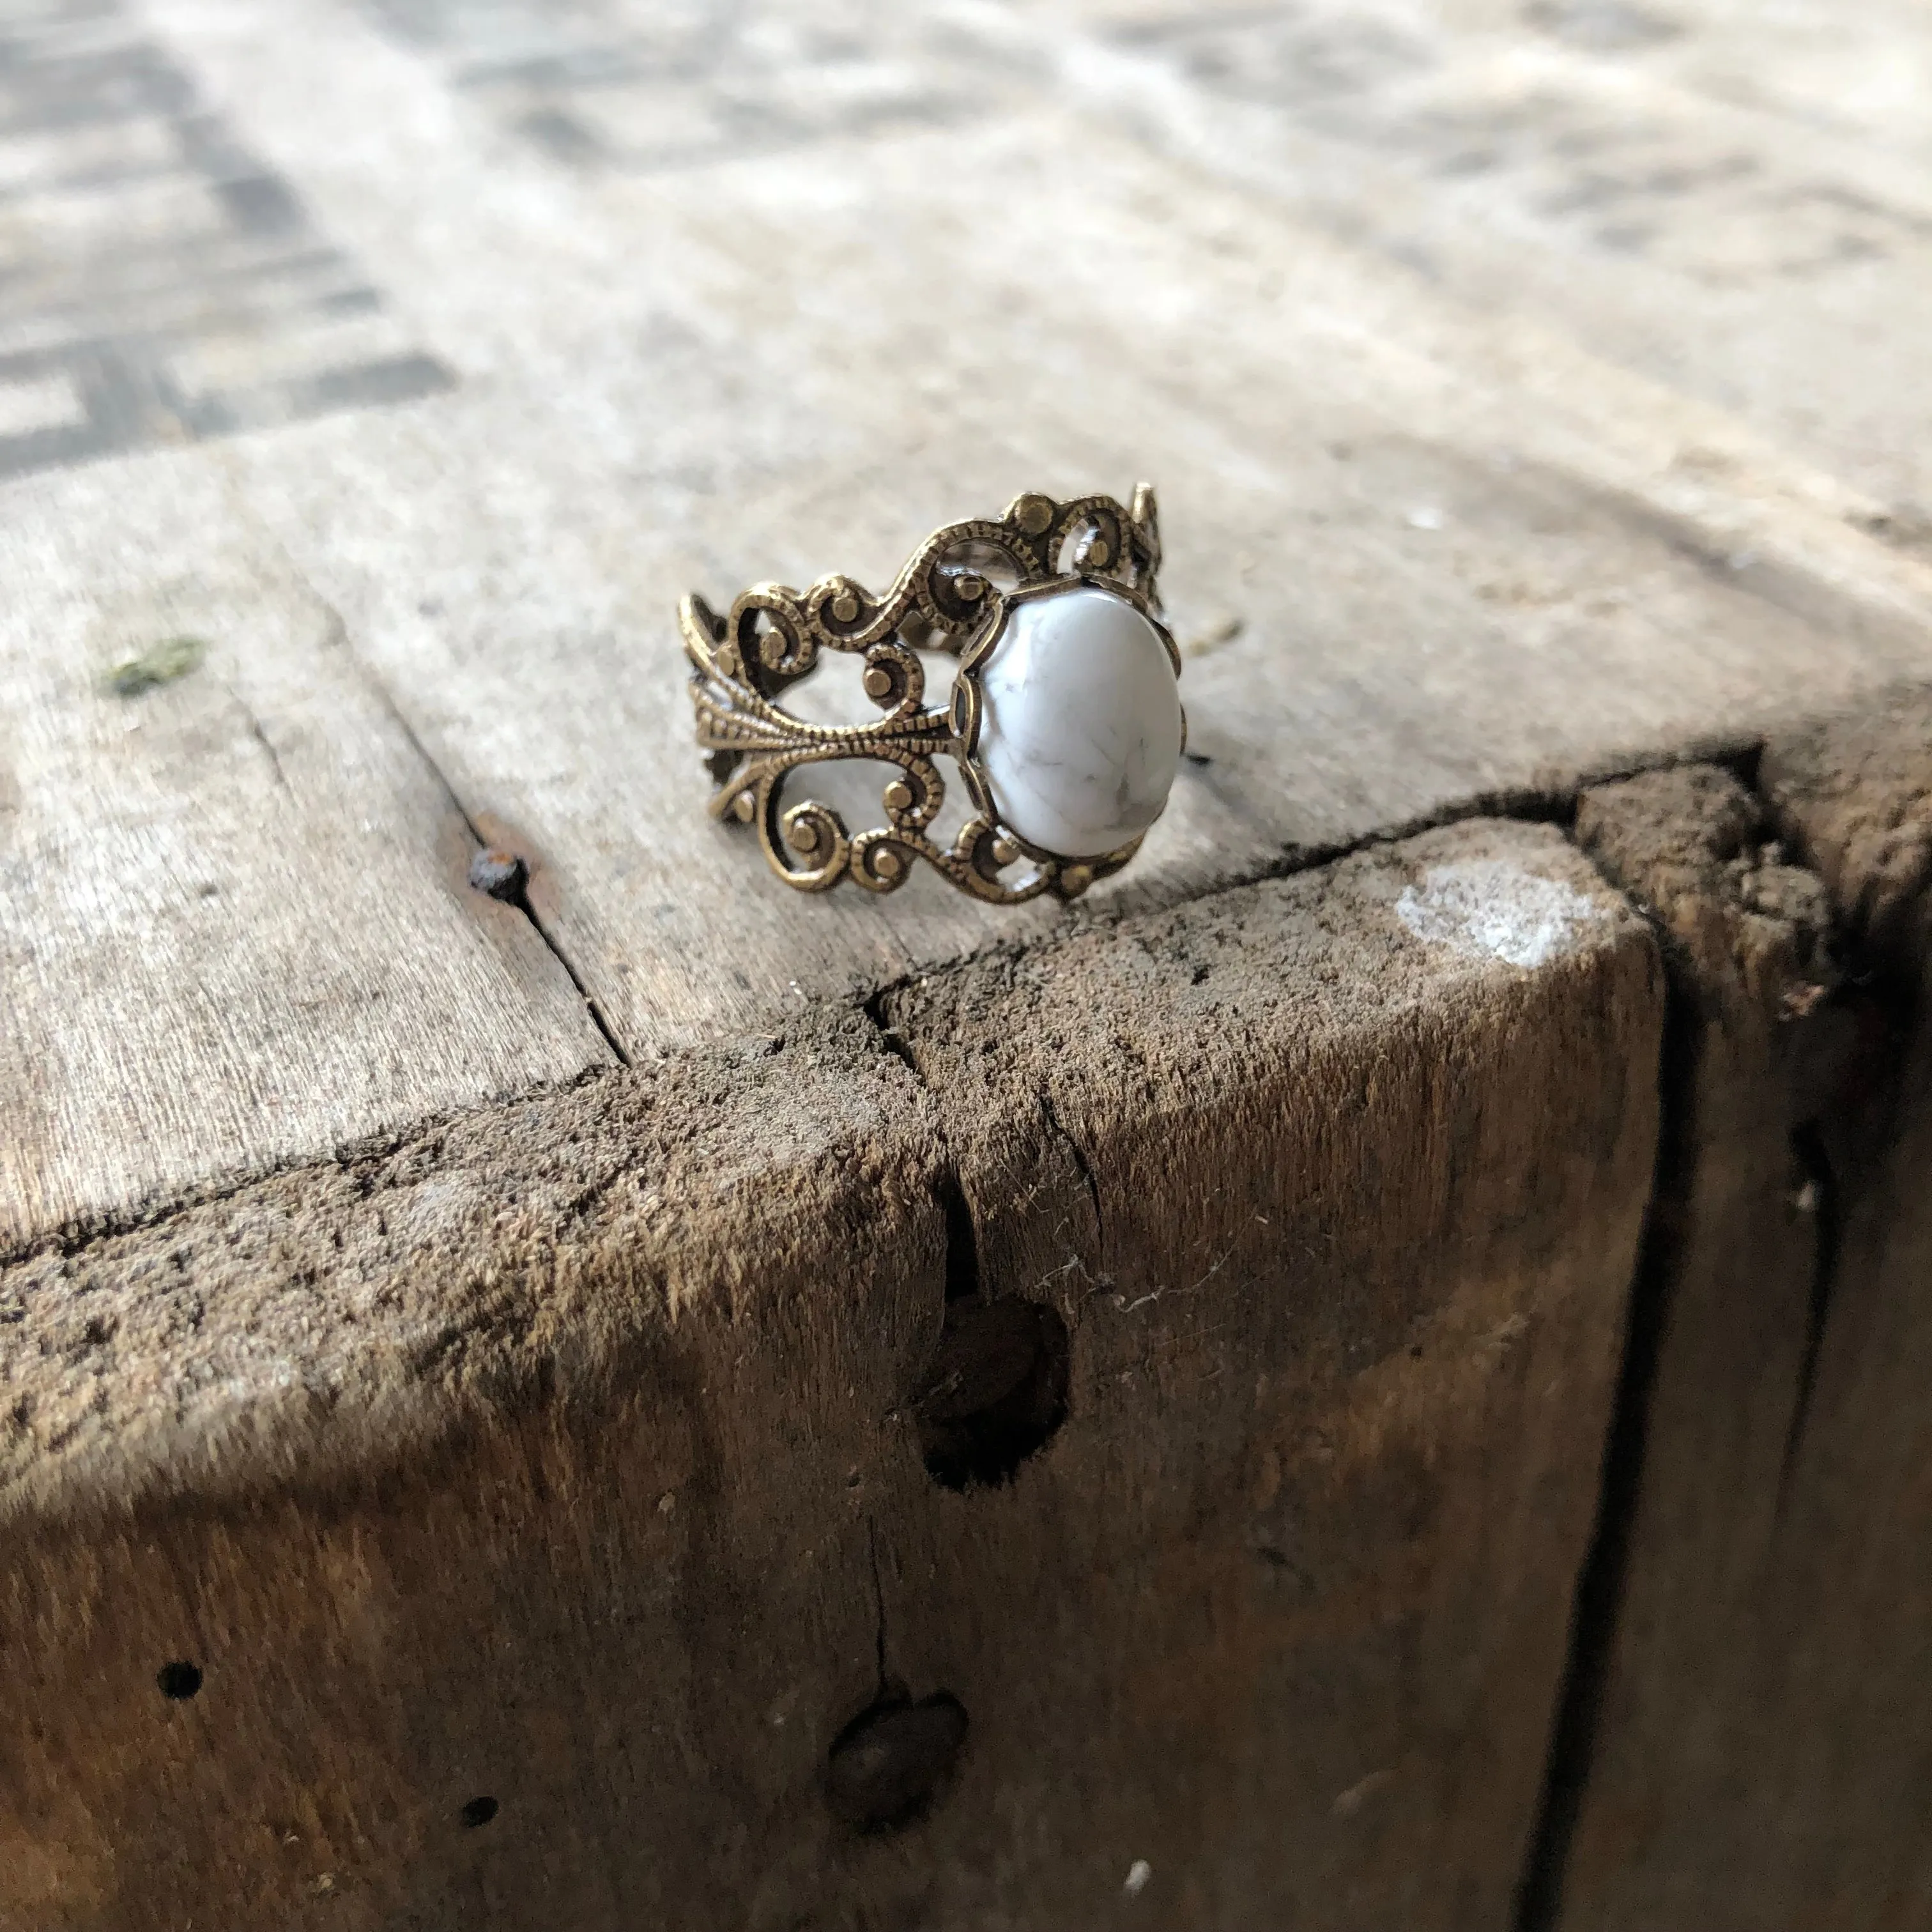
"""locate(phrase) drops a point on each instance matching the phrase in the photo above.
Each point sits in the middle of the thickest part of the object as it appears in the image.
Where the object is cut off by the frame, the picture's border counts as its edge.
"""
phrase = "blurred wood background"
(1373, 1372)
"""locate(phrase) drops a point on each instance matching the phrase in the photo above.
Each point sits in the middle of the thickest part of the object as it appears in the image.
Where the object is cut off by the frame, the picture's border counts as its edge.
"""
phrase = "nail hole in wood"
(478, 1811)
(888, 1765)
(178, 1680)
(995, 1392)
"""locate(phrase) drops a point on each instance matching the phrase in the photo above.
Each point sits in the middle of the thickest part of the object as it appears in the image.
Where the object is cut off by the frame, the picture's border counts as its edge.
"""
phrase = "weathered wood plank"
(234, 927)
(1700, 196)
(1421, 556)
(1760, 1732)
(466, 1482)
(1459, 560)
(1719, 1341)
(1862, 74)
(1292, 1178)
(1461, 565)
(581, 1456)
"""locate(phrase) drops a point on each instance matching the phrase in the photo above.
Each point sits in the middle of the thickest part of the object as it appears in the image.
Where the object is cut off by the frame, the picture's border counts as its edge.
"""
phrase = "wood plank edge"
(1792, 894)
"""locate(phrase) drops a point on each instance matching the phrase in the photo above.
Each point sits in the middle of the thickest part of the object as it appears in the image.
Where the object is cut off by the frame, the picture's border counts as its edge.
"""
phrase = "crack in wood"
(262, 738)
(1599, 1596)
(1084, 1168)
(521, 900)
(1813, 1159)
(1556, 806)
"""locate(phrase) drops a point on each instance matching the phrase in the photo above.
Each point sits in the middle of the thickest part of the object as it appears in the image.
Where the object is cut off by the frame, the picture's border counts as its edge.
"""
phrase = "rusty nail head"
(502, 874)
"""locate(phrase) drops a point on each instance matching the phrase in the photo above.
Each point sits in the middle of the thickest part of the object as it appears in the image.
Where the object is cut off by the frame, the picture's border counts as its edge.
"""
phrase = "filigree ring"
(1065, 719)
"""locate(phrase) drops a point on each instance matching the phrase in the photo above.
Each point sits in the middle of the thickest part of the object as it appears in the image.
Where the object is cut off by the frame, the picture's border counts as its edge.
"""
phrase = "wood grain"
(575, 1457)
(571, 1484)
(234, 930)
(1735, 205)
(1423, 557)
(1288, 1162)
(1760, 1724)
(1457, 559)
(1719, 1345)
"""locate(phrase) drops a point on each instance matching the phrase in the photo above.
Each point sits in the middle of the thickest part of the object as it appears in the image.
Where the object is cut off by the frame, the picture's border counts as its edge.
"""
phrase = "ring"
(1065, 719)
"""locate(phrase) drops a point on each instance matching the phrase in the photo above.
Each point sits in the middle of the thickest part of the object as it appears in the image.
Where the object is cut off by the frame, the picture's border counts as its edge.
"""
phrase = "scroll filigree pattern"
(951, 596)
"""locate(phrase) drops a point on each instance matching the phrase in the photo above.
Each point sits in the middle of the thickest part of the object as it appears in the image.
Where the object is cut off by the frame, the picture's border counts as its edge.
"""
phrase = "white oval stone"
(1080, 724)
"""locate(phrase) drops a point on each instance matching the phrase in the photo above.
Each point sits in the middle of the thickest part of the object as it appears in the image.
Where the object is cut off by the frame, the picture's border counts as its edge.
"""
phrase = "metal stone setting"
(956, 595)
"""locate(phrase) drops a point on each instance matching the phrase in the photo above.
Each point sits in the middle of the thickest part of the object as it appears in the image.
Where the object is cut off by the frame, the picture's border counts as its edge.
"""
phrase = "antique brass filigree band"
(951, 597)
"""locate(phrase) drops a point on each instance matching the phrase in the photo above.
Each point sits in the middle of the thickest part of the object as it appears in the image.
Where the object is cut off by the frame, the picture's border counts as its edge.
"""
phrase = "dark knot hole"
(887, 1765)
(995, 1391)
(178, 1680)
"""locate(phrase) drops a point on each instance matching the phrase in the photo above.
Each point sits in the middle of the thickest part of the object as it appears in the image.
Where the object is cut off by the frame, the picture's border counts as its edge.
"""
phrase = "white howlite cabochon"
(1080, 730)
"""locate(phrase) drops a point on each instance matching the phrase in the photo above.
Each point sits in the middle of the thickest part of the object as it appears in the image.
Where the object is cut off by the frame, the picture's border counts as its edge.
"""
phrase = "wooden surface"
(512, 1350)
(1723, 1324)
(1733, 201)
(238, 930)
(1458, 550)
(1327, 1230)
(593, 1479)
(1759, 1741)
